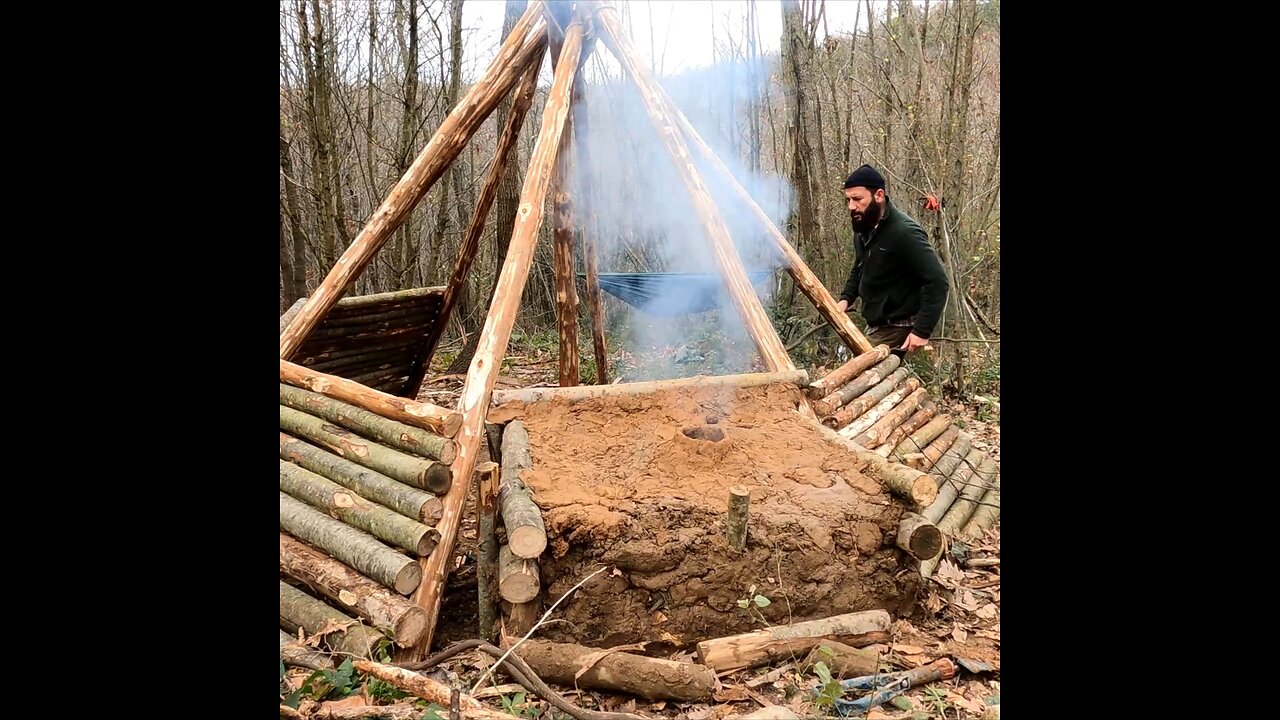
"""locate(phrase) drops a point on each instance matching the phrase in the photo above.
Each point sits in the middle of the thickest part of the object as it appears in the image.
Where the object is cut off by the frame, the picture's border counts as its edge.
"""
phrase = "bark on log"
(382, 523)
(646, 677)
(917, 441)
(936, 449)
(739, 508)
(918, 419)
(424, 474)
(398, 435)
(521, 101)
(588, 392)
(355, 548)
(450, 138)
(872, 416)
(842, 660)
(906, 482)
(919, 537)
(428, 689)
(985, 516)
(804, 278)
(761, 647)
(424, 415)
(562, 222)
(841, 376)
(518, 580)
(482, 374)
(744, 298)
(410, 502)
(294, 653)
(330, 711)
(954, 482)
(521, 617)
(846, 394)
(898, 414)
(394, 615)
(291, 313)
(380, 302)
(526, 531)
(298, 609)
(955, 452)
(859, 406)
(962, 509)
(487, 548)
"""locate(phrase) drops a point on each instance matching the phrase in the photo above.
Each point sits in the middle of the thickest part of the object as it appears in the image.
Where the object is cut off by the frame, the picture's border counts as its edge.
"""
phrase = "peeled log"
(867, 400)
(906, 482)
(868, 419)
(398, 435)
(350, 546)
(844, 395)
(589, 392)
(410, 502)
(428, 689)
(646, 677)
(526, 532)
(842, 660)
(920, 439)
(400, 619)
(386, 525)
(424, 415)
(833, 380)
(298, 609)
(420, 473)
(517, 577)
(294, 653)
(898, 414)
(739, 508)
(761, 647)
(918, 419)
(985, 516)
(919, 537)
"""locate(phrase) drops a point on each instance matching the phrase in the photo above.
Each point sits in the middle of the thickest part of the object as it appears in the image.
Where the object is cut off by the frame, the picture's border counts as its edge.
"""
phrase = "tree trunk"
(483, 372)
(405, 438)
(761, 647)
(487, 547)
(386, 525)
(419, 414)
(444, 147)
(841, 396)
(296, 284)
(526, 532)
(428, 475)
(452, 178)
(601, 669)
(298, 609)
(349, 545)
(394, 615)
(589, 392)
(295, 654)
(795, 51)
(933, 451)
(562, 220)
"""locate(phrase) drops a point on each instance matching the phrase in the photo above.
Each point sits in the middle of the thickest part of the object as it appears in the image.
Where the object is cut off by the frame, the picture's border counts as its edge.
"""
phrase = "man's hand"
(914, 342)
(843, 306)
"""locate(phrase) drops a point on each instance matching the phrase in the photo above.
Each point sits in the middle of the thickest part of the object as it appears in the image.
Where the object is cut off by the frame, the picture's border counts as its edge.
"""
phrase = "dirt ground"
(958, 614)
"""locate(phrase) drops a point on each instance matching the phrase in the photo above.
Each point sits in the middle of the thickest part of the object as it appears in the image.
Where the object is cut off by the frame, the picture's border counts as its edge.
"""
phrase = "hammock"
(669, 294)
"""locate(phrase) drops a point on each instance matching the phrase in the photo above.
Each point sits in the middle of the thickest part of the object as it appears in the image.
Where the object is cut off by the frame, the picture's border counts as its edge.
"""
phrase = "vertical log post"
(487, 545)
(739, 511)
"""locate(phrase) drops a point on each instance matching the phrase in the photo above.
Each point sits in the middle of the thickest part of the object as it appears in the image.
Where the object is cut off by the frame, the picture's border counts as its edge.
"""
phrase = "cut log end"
(448, 453)
(451, 424)
(410, 627)
(739, 509)
(526, 542)
(431, 511)
(409, 578)
(924, 490)
(919, 537)
(438, 479)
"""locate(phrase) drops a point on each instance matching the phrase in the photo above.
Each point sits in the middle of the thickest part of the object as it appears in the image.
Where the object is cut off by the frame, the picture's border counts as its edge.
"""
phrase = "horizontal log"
(761, 647)
(368, 361)
(372, 331)
(383, 376)
(985, 515)
(353, 547)
(918, 419)
(835, 379)
(587, 392)
(394, 615)
(296, 654)
(409, 501)
(423, 312)
(953, 485)
(398, 435)
(394, 298)
(314, 359)
(298, 609)
(429, 475)
(858, 407)
(896, 415)
(955, 452)
(592, 668)
(920, 439)
(846, 393)
(868, 419)
(936, 449)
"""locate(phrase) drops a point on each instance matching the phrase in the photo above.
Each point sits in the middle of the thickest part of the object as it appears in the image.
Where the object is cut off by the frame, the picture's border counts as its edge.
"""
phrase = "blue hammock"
(669, 294)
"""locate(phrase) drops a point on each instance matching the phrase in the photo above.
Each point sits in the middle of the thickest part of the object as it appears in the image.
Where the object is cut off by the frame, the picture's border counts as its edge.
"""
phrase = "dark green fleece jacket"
(897, 274)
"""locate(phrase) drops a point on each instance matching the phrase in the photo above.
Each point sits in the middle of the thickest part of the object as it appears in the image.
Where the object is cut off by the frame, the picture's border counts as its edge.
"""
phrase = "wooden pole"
(448, 141)
(744, 297)
(471, 244)
(424, 415)
(483, 372)
(588, 392)
(487, 547)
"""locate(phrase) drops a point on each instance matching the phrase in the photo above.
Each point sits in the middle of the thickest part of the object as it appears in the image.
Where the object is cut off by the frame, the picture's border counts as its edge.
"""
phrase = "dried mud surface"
(641, 484)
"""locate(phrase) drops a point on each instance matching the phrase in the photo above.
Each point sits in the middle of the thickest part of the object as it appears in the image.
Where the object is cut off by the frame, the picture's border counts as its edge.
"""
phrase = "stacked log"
(378, 340)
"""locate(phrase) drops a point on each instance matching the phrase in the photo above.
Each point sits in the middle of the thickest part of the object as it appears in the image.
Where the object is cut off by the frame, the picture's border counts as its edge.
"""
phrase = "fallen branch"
(761, 647)
(294, 653)
(428, 689)
(600, 669)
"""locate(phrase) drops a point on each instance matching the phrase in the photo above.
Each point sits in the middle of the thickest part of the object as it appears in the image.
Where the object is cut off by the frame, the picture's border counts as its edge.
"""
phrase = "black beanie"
(865, 176)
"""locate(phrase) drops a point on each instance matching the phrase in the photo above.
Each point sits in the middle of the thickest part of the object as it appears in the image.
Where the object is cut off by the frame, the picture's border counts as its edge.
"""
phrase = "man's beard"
(868, 220)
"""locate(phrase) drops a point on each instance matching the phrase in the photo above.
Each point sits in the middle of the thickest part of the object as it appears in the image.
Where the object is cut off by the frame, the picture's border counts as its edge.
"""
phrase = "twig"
(964, 340)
